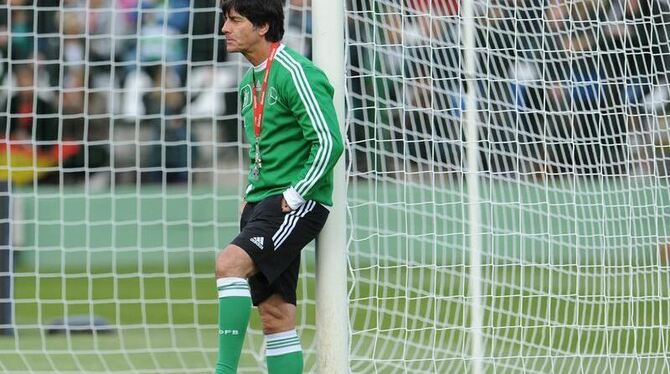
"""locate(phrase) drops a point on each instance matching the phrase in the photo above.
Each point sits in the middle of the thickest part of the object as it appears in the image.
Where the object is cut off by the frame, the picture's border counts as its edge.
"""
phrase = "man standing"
(289, 118)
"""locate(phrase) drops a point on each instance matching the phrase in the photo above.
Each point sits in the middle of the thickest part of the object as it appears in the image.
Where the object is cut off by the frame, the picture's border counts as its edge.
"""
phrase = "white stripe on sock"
(234, 287)
(281, 335)
(283, 350)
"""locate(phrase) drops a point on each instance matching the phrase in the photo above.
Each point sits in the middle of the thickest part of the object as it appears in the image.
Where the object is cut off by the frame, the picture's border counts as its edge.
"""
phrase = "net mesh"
(125, 169)
(571, 100)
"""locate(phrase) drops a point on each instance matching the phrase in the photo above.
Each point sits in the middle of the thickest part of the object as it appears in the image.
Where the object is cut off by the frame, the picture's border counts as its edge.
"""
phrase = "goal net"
(124, 168)
(573, 145)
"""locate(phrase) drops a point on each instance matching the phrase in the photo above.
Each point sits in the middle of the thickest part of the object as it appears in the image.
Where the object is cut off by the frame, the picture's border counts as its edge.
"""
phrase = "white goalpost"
(472, 174)
(503, 204)
(332, 321)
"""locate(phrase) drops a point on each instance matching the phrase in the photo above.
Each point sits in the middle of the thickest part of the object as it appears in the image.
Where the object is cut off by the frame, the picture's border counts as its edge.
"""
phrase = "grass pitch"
(571, 281)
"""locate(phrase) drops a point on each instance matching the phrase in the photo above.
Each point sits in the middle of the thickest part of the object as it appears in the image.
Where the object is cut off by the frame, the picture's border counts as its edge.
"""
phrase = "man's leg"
(283, 350)
(233, 267)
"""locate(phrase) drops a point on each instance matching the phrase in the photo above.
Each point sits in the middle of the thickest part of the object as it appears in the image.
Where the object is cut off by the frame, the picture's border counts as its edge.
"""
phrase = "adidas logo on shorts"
(258, 241)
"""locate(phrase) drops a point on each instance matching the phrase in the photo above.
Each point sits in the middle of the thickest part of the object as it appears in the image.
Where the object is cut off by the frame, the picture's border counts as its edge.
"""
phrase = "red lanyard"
(260, 104)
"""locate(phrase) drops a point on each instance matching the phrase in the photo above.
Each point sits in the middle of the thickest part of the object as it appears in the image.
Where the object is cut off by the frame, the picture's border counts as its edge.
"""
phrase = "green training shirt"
(300, 137)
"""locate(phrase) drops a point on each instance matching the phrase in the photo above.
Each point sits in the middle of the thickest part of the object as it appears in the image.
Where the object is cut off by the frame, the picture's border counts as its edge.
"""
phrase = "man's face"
(241, 34)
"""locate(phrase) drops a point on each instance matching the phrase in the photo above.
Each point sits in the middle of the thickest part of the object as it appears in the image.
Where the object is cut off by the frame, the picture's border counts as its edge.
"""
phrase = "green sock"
(234, 311)
(283, 353)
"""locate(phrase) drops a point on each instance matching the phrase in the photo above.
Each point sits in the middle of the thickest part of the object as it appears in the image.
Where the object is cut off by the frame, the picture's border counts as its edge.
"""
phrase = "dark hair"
(260, 13)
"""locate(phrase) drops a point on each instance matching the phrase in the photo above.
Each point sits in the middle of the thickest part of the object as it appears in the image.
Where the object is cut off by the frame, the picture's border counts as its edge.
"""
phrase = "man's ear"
(262, 30)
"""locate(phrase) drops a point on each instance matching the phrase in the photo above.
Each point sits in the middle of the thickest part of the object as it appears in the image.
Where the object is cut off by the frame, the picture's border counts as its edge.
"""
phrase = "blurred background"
(143, 91)
(564, 88)
(139, 91)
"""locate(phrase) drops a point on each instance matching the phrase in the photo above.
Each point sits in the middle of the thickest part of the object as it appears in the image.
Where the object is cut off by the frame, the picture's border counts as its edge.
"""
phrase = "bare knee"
(233, 261)
(276, 315)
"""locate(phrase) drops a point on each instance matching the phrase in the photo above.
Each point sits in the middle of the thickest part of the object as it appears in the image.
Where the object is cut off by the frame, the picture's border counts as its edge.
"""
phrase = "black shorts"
(273, 239)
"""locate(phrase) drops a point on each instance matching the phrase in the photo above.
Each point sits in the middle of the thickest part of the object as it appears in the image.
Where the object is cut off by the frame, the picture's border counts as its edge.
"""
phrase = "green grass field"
(144, 262)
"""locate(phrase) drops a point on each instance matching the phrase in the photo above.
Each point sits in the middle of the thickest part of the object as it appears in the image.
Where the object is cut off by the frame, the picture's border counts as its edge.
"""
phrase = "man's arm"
(311, 101)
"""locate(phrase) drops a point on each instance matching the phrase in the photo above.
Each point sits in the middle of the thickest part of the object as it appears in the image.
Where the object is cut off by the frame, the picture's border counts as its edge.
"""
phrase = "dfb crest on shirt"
(246, 96)
(273, 96)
